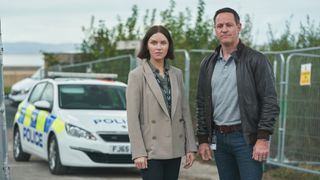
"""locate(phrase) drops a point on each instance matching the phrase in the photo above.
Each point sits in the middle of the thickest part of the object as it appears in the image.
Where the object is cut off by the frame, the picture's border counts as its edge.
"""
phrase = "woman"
(159, 120)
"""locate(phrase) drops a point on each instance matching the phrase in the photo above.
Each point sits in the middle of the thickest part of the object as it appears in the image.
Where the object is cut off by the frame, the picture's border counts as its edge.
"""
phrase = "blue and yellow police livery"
(73, 123)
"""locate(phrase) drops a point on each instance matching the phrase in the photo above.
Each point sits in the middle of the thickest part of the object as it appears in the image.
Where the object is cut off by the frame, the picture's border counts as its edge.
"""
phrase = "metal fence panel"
(298, 133)
(196, 56)
(278, 63)
(302, 107)
(4, 160)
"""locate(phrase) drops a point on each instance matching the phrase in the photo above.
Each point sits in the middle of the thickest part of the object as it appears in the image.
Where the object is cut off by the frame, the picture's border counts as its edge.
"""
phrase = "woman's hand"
(141, 162)
(189, 160)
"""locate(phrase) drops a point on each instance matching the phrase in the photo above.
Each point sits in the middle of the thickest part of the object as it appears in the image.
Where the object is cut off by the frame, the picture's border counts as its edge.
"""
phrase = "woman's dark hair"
(144, 52)
(227, 10)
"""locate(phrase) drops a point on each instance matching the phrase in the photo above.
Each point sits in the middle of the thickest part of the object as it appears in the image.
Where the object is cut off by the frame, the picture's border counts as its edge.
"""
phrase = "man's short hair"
(227, 10)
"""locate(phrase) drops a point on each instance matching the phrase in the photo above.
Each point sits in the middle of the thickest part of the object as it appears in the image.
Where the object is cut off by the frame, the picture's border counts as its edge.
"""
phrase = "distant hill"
(35, 48)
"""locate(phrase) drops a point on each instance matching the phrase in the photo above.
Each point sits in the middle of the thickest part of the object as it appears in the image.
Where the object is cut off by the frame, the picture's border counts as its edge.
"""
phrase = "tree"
(284, 42)
(246, 35)
(101, 42)
(309, 35)
(50, 59)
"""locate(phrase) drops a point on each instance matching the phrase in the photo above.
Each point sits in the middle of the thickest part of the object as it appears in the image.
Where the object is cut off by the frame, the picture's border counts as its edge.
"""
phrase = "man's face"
(226, 29)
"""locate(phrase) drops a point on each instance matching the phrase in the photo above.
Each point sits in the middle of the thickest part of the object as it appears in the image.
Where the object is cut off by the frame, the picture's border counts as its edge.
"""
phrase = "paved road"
(37, 169)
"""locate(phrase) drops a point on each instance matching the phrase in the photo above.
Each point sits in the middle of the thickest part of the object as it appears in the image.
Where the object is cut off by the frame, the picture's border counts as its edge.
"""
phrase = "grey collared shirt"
(225, 92)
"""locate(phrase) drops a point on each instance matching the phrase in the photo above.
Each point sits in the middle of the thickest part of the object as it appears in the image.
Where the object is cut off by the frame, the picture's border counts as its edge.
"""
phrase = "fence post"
(133, 62)
(281, 128)
(4, 167)
(186, 71)
(89, 68)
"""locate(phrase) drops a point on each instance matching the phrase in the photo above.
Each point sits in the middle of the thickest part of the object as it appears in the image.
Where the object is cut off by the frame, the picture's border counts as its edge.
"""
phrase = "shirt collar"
(221, 56)
(156, 70)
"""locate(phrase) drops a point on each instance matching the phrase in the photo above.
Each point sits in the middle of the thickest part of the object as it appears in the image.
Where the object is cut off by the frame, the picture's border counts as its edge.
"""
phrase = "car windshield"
(86, 96)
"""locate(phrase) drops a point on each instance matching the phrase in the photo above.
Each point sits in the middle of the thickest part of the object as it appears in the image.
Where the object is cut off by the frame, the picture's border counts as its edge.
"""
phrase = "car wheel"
(18, 153)
(55, 165)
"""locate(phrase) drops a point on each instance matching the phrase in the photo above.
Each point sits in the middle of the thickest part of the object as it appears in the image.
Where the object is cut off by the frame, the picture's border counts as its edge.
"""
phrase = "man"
(237, 103)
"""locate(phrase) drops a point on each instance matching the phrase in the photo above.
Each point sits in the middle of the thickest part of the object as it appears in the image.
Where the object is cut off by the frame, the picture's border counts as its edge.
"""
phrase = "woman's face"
(158, 46)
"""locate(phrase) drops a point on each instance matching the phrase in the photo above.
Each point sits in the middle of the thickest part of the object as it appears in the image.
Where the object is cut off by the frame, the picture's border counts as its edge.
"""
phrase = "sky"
(60, 21)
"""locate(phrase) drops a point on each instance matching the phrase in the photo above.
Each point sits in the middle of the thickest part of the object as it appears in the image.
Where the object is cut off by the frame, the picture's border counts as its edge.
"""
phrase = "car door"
(30, 138)
(34, 130)
(43, 116)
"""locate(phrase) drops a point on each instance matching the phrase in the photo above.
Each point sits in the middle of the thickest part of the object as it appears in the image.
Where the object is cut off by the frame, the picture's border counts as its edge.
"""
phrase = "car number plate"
(121, 149)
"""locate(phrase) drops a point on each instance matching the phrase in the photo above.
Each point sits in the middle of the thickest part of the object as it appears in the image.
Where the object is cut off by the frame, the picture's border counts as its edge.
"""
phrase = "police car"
(74, 122)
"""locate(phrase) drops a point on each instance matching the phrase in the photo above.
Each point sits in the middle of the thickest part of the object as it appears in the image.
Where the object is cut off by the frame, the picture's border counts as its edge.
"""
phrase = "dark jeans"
(167, 169)
(234, 158)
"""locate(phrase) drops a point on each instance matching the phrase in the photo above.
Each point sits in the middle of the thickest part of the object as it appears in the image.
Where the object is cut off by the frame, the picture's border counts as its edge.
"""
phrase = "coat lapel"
(174, 91)
(154, 86)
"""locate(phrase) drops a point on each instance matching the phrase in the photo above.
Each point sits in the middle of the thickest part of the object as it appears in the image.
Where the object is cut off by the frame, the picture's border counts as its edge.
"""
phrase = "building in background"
(22, 59)
(19, 66)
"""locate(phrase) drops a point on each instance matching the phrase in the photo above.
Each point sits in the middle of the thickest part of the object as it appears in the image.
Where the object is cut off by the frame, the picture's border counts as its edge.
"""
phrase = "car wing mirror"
(43, 105)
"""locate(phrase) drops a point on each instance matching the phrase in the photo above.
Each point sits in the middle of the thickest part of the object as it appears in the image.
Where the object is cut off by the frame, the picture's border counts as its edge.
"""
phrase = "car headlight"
(79, 132)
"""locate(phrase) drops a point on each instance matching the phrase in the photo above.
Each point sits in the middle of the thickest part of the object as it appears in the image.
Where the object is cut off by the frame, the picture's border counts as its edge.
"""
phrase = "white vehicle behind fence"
(20, 89)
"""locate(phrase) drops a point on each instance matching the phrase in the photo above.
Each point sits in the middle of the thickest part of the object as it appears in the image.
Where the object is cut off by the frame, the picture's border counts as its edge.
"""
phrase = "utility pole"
(4, 165)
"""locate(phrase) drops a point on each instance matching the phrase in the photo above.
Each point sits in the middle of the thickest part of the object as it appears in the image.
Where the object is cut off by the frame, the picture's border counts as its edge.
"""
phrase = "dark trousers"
(234, 158)
(167, 169)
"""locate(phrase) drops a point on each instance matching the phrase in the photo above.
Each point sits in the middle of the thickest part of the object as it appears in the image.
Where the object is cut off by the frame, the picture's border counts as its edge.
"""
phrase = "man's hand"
(260, 150)
(205, 151)
(141, 162)
(189, 160)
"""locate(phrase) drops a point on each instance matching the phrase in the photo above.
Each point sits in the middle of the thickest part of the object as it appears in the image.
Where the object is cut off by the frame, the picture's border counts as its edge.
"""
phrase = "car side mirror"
(43, 105)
